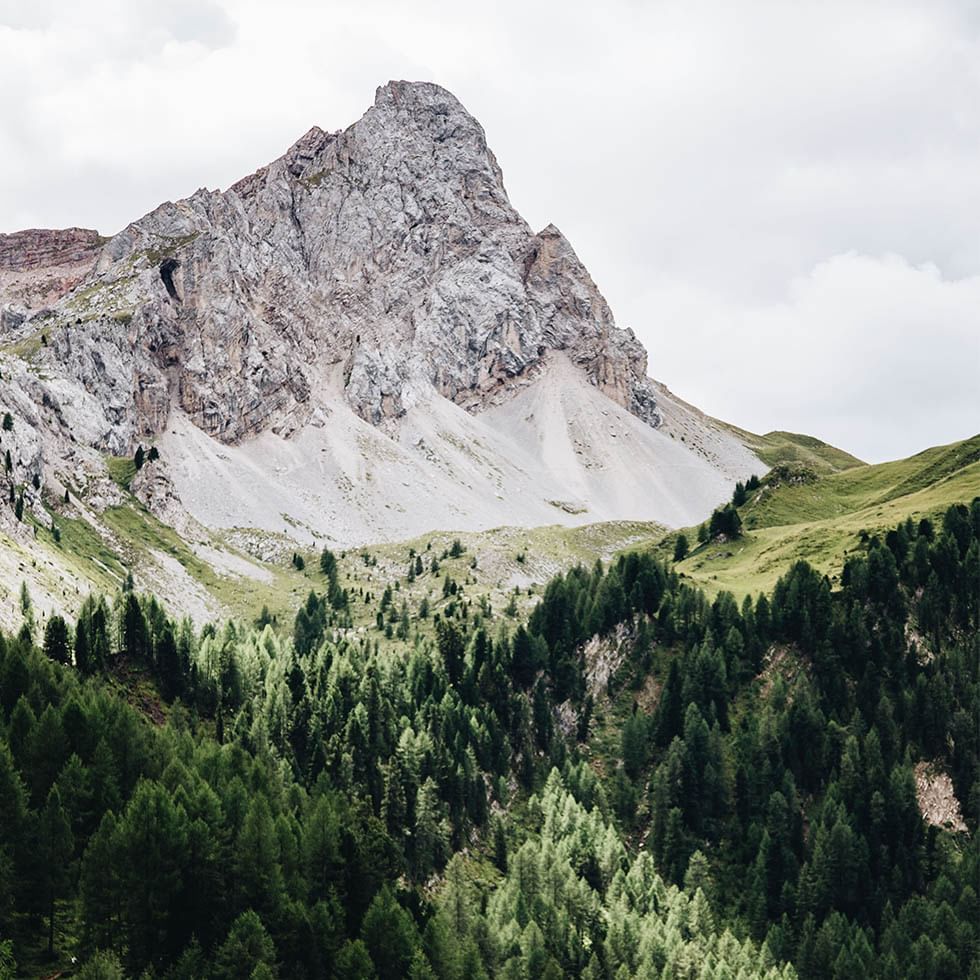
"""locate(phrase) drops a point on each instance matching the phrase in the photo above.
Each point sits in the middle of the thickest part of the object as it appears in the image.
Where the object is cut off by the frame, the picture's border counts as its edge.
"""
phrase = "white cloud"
(883, 355)
(724, 170)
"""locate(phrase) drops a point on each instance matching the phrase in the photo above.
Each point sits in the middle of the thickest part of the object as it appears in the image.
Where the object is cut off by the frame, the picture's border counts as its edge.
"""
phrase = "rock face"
(38, 266)
(36, 248)
(379, 271)
(385, 259)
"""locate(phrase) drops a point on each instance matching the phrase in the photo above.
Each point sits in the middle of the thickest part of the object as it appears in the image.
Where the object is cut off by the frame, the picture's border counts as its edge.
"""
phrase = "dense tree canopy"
(317, 802)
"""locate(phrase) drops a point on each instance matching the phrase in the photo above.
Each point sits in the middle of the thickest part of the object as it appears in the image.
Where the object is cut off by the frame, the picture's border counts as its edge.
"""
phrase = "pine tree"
(259, 873)
(499, 845)
(103, 965)
(670, 709)
(634, 739)
(390, 935)
(56, 640)
(725, 521)
(429, 837)
(321, 849)
(170, 670)
(135, 639)
(55, 847)
(354, 962)
(13, 844)
(99, 886)
(451, 648)
(681, 547)
(149, 847)
(46, 751)
(247, 948)
(403, 623)
(525, 660)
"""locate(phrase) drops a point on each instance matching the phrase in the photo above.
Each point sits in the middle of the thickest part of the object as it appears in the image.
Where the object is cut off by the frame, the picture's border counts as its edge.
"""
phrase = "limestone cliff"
(379, 270)
(386, 259)
(38, 266)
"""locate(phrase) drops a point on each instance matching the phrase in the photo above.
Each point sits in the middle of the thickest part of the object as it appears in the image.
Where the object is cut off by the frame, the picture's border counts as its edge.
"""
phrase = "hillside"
(684, 421)
(803, 512)
(628, 780)
(233, 573)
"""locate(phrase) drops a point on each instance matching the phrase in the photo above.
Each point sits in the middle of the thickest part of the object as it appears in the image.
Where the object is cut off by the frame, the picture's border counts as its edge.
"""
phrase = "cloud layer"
(781, 199)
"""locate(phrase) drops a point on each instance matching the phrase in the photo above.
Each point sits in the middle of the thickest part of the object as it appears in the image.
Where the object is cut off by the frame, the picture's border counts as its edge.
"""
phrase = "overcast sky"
(781, 199)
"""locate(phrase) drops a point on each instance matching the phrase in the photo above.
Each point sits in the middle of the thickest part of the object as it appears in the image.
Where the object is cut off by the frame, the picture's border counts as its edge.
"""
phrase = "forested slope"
(733, 794)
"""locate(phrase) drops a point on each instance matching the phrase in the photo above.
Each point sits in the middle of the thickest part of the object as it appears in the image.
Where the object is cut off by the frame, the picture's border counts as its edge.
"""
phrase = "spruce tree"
(55, 846)
(680, 547)
(56, 640)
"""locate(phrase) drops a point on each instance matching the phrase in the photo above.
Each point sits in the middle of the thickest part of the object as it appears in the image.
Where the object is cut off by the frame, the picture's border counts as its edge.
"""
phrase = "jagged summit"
(402, 93)
(388, 252)
(376, 277)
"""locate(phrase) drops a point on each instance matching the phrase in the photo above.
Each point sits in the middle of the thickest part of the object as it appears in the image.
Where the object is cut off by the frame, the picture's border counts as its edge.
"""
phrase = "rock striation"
(38, 266)
(35, 248)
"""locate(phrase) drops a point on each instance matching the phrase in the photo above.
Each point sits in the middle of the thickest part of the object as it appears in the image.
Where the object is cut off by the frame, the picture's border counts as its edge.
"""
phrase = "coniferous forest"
(733, 794)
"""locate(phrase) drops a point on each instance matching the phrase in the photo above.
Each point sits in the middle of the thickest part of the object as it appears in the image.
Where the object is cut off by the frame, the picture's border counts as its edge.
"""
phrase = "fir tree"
(55, 846)
(56, 640)
(680, 547)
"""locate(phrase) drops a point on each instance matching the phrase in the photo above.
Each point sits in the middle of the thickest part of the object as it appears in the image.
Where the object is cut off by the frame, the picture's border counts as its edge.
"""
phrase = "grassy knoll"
(799, 514)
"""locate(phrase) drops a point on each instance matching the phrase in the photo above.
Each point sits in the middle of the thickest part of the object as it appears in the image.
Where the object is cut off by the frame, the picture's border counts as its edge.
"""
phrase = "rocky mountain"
(360, 341)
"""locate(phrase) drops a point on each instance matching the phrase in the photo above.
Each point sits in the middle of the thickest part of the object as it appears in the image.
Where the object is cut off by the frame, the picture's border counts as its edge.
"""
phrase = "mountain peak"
(388, 249)
(378, 271)
(402, 94)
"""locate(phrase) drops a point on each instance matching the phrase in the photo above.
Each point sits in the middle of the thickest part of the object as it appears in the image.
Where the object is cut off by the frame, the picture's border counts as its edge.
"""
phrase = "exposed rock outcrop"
(39, 266)
(365, 286)
(385, 259)
(38, 248)
(937, 801)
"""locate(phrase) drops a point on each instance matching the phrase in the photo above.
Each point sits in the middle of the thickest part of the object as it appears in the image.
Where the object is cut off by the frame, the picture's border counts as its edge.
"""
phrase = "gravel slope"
(558, 452)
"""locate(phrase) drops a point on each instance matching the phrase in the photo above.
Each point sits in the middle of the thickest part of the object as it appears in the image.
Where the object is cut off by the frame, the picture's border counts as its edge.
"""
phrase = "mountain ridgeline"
(482, 801)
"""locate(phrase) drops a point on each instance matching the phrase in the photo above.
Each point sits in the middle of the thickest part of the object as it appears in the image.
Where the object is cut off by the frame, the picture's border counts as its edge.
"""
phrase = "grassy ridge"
(819, 518)
(794, 449)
